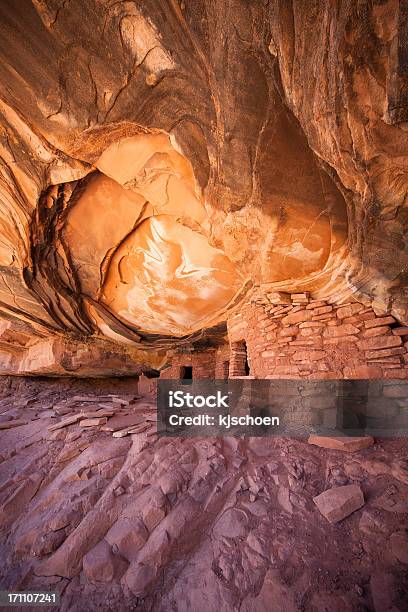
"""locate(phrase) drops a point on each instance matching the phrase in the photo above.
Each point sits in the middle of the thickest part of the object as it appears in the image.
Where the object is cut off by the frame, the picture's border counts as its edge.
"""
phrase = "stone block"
(402, 373)
(323, 317)
(337, 503)
(271, 337)
(311, 331)
(322, 310)
(345, 444)
(379, 321)
(297, 317)
(279, 297)
(13, 423)
(309, 324)
(359, 319)
(363, 371)
(349, 310)
(340, 340)
(380, 342)
(346, 329)
(387, 360)
(385, 352)
(291, 330)
(400, 331)
(300, 296)
(376, 331)
(309, 355)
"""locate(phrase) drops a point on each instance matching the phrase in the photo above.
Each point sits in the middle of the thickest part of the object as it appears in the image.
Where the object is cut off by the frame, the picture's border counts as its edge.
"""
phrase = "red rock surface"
(146, 522)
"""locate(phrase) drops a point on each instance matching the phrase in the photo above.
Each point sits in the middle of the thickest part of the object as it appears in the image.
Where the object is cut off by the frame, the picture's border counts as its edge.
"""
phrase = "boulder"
(232, 524)
(127, 536)
(337, 503)
(347, 444)
(139, 578)
(101, 565)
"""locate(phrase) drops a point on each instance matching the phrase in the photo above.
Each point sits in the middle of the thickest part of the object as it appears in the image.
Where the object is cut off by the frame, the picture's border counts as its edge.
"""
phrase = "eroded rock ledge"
(159, 162)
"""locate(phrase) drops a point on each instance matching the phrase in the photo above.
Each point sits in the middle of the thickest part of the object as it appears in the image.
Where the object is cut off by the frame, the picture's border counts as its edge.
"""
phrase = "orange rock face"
(150, 179)
(148, 258)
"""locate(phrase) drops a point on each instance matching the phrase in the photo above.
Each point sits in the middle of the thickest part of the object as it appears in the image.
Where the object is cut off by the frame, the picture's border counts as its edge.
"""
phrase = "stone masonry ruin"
(195, 191)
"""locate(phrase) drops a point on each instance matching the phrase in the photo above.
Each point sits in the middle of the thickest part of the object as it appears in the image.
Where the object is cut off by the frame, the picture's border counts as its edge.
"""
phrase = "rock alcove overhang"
(281, 139)
(137, 253)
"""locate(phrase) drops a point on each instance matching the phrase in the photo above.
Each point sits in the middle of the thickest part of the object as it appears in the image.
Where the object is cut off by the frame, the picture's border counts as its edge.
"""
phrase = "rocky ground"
(117, 520)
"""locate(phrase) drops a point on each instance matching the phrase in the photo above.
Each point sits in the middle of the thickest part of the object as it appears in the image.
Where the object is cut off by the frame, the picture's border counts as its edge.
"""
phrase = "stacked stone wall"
(314, 339)
(210, 363)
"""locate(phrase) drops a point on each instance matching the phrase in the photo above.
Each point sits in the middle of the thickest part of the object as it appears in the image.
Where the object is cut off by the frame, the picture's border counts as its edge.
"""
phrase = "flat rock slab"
(120, 433)
(61, 410)
(15, 423)
(96, 414)
(82, 398)
(92, 422)
(65, 422)
(107, 405)
(337, 503)
(120, 422)
(346, 444)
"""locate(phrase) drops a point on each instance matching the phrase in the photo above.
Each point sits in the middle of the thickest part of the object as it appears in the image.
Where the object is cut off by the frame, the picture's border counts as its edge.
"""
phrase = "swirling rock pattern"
(160, 159)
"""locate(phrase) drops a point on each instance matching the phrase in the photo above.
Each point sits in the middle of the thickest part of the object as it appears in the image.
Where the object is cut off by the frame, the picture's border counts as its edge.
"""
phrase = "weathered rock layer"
(159, 160)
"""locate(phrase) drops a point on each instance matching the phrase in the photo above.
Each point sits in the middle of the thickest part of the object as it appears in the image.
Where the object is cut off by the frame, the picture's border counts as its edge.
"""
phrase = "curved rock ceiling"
(159, 160)
(148, 258)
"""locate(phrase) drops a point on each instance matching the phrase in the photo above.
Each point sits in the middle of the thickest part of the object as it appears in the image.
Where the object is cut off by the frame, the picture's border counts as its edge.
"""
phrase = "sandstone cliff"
(160, 159)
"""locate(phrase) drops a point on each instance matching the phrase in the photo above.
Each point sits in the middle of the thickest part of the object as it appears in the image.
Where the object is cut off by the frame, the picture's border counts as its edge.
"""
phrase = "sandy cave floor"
(137, 522)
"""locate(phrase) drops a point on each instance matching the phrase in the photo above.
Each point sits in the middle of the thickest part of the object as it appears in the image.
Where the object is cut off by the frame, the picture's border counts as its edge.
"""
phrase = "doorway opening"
(246, 364)
(225, 369)
(239, 359)
(186, 374)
